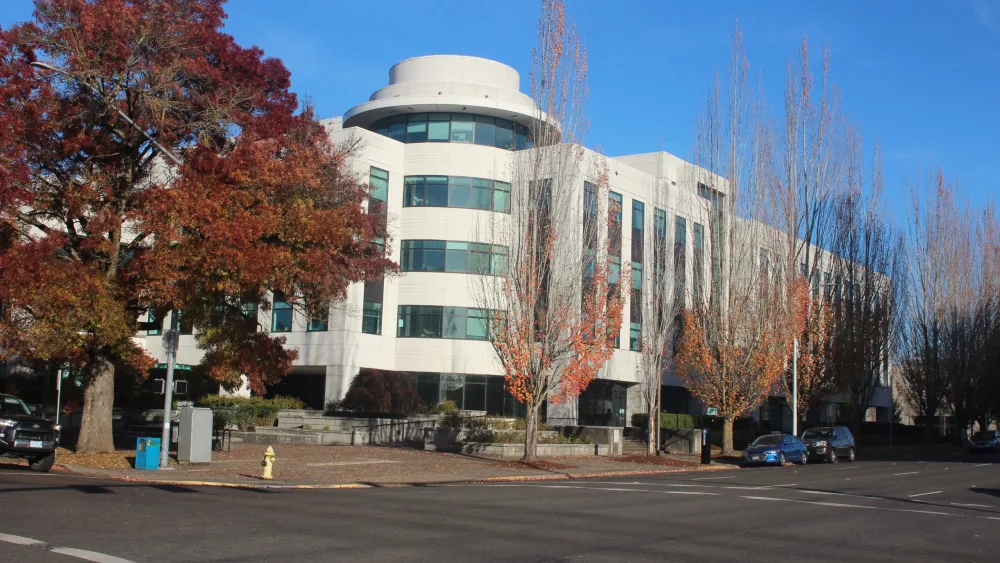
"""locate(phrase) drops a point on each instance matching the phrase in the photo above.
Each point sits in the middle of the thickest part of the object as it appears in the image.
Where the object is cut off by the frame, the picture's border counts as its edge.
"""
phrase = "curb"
(504, 479)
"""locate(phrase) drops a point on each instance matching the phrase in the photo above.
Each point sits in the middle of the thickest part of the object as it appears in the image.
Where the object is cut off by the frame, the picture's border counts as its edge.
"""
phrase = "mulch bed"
(655, 460)
(538, 464)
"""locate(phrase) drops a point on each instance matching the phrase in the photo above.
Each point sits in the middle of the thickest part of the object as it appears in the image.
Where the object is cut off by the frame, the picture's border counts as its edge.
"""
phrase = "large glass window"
(469, 392)
(320, 322)
(281, 313)
(151, 318)
(699, 263)
(179, 323)
(680, 260)
(456, 191)
(455, 128)
(432, 321)
(453, 256)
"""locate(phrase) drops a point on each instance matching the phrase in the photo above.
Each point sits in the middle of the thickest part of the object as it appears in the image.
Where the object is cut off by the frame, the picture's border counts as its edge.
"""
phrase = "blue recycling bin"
(147, 454)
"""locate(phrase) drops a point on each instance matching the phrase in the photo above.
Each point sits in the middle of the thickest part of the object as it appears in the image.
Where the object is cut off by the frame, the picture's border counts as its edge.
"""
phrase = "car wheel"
(850, 455)
(781, 459)
(832, 456)
(804, 459)
(43, 464)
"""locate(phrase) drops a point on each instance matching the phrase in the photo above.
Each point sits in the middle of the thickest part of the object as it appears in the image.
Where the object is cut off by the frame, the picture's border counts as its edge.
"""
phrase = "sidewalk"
(373, 466)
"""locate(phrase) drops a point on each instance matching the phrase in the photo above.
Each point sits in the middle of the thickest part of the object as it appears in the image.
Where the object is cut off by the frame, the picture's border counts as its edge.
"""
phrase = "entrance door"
(618, 404)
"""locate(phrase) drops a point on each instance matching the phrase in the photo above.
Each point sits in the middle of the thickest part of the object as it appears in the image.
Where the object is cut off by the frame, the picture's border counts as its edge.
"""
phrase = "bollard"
(267, 463)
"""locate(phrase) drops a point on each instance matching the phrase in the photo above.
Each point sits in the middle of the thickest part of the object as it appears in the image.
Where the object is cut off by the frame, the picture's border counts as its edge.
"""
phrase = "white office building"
(437, 149)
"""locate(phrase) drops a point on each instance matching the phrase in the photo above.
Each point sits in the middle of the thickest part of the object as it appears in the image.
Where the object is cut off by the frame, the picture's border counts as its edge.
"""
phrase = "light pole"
(170, 343)
(795, 387)
(170, 155)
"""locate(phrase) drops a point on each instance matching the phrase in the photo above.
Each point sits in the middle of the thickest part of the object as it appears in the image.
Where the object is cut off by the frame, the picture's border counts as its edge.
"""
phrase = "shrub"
(246, 412)
(382, 392)
(640, 420)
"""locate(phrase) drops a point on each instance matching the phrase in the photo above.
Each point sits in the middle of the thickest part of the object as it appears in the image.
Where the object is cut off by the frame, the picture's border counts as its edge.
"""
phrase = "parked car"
(775, 449)
(985, 441)
(25, 435)
(830, 443)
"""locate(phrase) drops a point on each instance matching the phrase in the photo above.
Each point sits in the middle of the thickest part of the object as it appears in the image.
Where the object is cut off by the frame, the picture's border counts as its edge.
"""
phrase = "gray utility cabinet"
(194, 441)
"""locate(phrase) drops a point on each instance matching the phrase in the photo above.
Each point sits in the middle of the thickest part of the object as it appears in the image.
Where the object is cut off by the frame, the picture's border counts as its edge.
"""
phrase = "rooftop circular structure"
(447, 83)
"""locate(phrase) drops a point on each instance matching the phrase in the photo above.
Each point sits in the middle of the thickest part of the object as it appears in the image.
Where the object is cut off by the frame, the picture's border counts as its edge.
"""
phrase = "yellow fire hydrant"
(267, 463)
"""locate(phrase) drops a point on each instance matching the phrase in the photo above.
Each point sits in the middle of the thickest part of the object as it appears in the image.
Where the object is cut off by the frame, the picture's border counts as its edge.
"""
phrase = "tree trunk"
(531, 434)
(727, 436)
(98, 399)
(651, 432)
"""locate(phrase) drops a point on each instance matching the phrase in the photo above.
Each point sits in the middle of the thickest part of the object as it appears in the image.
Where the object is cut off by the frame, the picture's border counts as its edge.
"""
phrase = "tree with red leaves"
(99, 226)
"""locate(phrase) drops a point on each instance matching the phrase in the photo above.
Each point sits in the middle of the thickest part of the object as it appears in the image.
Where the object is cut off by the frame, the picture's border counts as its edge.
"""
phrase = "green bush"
(247, 412)
(375, 391)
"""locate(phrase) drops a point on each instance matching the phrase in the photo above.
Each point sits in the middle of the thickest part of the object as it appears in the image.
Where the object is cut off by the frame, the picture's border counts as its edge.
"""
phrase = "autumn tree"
(106, 225)
(809, 320)
(731, 350)
(557, 305)
(869, 279)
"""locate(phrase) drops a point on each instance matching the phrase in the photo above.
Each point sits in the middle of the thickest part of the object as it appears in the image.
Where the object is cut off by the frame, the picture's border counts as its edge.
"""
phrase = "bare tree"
(655, 303)
(868, 284)
(557, 303)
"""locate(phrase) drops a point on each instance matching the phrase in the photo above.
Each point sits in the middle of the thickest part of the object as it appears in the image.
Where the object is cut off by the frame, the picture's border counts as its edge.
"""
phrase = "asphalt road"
(865, 511)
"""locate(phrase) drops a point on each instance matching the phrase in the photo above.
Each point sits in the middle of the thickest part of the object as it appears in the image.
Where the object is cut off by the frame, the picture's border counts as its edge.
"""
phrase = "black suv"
(25, 435)
(830, 443)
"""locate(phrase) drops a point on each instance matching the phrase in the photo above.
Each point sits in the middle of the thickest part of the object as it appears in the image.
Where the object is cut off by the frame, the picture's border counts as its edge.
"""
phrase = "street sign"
(177, 367)
(712, 411)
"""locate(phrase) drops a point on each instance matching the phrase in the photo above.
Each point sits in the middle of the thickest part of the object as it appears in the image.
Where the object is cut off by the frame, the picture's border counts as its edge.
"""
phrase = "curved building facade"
(437, 144)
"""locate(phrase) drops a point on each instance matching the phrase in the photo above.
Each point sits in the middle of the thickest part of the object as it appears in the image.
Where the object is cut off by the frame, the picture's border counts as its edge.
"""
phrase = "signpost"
(712, 411)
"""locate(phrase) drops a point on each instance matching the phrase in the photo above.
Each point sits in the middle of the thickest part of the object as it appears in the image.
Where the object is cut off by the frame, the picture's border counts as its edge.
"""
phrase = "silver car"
(985, 441)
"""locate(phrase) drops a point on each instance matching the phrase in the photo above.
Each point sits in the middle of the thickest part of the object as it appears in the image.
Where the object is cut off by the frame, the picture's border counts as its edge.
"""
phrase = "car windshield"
(769, 440)
(983, 435)
(817, 433)
(12, 406)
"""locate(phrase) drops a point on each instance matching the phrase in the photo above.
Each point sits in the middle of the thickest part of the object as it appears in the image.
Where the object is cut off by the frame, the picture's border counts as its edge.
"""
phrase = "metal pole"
(892, 410)
(128, 119)
(59, 378)
(795, 387)
(170, 343)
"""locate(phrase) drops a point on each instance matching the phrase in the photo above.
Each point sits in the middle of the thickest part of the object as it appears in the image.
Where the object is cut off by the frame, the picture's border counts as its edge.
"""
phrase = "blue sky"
(922, 77)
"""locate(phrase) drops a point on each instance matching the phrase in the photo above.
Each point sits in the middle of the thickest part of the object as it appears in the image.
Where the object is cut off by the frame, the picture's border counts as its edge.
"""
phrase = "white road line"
(983, 464)
(710, 478)
(615, 489)
(825, 493)
(747, 488)
(818, 503)
(90, 555)
(788, 485)
(650, 484)
(846, 468)
(971, 505)
(907, 473)
(925, 494)
(19, 540)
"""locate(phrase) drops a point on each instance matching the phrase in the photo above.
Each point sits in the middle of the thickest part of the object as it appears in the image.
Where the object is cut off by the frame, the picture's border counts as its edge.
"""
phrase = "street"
(865, 511)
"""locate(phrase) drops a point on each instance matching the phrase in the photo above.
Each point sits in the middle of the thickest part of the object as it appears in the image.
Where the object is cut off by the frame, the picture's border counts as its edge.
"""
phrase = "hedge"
(247, 412)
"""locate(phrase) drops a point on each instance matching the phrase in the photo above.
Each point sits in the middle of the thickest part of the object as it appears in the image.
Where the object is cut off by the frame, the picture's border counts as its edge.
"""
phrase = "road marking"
(971, 505)
(837, 504)
(907, 473)
(19, 540)
(983, 464)
(846, 468)
(650, 484)
(927, 512)
(746, 488)
(710, 478)
(615, 489)
(90, 555)
(788, 485)
(925, 494)
(824, 493)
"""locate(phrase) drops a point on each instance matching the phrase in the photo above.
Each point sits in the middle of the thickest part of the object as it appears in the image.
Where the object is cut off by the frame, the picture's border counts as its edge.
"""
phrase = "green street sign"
(712, 411)
(177, 367)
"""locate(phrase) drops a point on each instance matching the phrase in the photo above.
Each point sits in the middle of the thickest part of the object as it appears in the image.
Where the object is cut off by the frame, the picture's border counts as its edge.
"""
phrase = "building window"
(431, 321)
(455, 128)
(371, 318)
(456, 191)
(699, 263)
(320, 322)
(680, 261)
(453, 256)
(378, 182)
(638, 242)
(281, 313)
(151, 318)
(179, 323)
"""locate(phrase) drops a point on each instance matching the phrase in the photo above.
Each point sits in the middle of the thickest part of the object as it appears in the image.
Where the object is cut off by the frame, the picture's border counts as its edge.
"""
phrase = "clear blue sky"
(920, 76)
